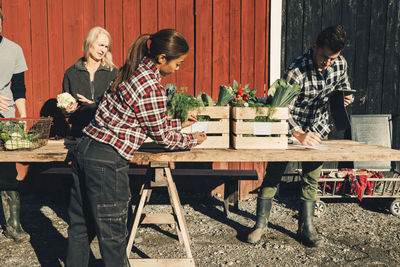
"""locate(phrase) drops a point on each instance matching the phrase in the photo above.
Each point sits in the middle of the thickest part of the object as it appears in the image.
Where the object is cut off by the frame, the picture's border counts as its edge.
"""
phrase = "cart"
(339, 187)
(334, 183)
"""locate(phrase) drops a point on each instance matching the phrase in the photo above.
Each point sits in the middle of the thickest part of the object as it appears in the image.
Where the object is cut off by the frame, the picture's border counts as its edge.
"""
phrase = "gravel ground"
(355, 234)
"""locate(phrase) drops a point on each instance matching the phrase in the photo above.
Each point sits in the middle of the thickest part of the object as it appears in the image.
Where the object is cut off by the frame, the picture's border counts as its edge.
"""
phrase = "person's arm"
(18, 90)
(151, 113)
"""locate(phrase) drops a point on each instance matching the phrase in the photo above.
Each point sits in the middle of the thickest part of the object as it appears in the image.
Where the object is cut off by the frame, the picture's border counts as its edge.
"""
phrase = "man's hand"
(4, 103)
(192, 118)
(307, 138)
(201, 137)
(348, 99)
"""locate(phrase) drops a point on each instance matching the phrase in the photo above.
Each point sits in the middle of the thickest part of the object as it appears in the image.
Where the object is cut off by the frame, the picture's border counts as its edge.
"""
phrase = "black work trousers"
(100, 195)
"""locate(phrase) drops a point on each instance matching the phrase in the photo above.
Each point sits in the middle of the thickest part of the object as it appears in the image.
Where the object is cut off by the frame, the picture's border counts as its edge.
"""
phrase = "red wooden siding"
(228, 41)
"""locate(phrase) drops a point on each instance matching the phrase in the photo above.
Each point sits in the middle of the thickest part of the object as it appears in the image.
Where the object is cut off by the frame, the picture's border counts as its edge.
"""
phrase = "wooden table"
(343, 150)
(338, 150)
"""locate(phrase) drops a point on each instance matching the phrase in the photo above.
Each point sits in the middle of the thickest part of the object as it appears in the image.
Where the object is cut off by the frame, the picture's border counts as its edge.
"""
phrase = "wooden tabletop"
(336, 150)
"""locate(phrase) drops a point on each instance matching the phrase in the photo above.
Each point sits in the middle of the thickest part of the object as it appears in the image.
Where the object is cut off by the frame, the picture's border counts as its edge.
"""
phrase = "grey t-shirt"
(12, 61)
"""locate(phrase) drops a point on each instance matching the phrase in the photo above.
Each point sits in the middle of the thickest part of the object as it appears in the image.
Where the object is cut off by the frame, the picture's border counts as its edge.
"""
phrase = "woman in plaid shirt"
(320, 72)
(133, 108)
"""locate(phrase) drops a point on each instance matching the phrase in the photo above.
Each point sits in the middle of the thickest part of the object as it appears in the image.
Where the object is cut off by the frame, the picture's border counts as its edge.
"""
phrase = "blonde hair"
(90, 38)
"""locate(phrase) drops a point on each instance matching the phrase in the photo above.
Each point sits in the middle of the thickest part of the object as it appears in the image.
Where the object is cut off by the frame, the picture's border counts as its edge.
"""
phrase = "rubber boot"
(306, 232)
(263, 211)
(11, 206)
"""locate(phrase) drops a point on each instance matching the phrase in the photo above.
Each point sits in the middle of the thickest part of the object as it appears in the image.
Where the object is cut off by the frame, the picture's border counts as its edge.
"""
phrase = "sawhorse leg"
(163, 177)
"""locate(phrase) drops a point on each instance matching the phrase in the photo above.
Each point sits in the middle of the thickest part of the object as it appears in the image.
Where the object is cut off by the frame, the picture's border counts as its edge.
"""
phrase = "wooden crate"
(217, 129)
(262, 130)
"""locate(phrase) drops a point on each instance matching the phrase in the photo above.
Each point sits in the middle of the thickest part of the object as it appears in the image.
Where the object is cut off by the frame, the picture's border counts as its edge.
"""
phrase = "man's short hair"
(333, 37)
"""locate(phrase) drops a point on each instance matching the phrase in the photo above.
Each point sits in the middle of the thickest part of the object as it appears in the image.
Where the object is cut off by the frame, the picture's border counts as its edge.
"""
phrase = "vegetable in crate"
(281, 94)
(181, 103)
(225, 96)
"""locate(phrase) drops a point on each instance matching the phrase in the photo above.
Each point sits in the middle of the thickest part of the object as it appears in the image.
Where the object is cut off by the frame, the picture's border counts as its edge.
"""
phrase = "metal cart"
(339, 187)
(370, 129)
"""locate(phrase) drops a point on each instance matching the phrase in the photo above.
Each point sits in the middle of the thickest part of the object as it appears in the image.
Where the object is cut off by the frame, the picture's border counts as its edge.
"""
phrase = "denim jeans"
(100, 195)
(309, 179)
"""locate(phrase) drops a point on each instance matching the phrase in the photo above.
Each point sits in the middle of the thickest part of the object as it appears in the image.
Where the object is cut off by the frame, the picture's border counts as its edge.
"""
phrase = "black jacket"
(77, 81)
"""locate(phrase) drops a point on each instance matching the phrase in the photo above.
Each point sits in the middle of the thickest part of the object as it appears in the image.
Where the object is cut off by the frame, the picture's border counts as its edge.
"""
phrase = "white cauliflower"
(64, 100)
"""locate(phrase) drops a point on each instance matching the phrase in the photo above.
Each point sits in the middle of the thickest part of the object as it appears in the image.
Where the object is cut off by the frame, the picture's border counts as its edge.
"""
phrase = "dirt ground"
(355, 234)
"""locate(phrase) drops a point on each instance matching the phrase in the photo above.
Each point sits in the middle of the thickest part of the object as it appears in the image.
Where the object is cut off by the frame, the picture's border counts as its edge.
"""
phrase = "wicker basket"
(24, 133)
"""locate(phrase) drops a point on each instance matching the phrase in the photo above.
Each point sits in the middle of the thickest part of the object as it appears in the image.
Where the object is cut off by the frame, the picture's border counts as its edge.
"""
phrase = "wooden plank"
(240, 142)
(166, 20)
(40, 57)
(294, 28)
(331, 13)
(137, 217)
(113, 24)
(148, 16)
(235, 40)
(162, 262)
(17, 28)
(267, 48)
(312, 23)
(215, 112)
(158, 219)
(56, 60)
(203, 64)
(220, 53)
(185, 25)
(376, 57)
(241, 127)
(247, 49)
(361, 64)
(260, 45)
(340, 150)
(391, 79)
(131, 23)
(284, 64)
(250, 113)
(93, 11)
(176, 205)
(213, 127)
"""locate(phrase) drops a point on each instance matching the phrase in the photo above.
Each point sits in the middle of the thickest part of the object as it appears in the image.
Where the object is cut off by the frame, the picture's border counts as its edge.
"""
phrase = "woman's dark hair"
(168, 41)
(333, 37)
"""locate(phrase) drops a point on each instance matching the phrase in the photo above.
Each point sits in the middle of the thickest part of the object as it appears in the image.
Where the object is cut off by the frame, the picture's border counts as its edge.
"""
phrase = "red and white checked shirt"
(136, 110)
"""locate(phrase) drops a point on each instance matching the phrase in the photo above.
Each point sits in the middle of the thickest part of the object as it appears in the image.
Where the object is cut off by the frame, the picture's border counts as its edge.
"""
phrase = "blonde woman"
(88, 79)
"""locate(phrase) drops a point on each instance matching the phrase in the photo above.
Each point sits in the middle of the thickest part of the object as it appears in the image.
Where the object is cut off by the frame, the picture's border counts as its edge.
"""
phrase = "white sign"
(262, 128)
(200, 126)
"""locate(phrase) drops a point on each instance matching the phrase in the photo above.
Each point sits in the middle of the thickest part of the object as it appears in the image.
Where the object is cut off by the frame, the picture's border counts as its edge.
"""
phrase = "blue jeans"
(100, 195)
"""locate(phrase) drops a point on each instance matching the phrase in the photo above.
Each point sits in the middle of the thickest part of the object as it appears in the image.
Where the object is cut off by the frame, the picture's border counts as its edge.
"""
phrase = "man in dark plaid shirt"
(320, 72)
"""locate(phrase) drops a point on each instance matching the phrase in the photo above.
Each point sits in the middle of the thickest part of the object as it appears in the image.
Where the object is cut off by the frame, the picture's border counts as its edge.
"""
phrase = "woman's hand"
(308, 138)
(84, 100)
(192, 118)
(200, 136)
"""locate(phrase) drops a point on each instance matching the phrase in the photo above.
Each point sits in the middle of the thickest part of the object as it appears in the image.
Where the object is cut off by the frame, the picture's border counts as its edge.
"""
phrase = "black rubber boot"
(11, 206)
(306, 232)
(263, 211)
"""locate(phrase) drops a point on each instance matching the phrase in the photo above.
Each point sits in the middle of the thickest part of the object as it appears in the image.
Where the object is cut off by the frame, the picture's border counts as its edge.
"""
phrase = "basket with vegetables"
(261, 123)
(24, 133)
